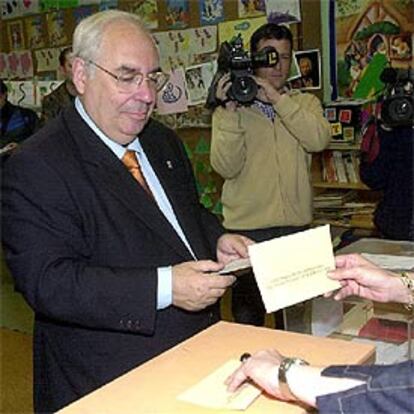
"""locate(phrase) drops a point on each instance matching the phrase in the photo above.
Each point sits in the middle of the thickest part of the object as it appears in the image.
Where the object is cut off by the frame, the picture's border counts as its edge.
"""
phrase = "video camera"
(398, 103)
(234, 59)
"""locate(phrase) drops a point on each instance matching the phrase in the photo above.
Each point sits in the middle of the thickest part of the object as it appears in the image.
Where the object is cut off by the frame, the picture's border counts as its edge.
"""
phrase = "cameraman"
(388, 165)
(263, 152)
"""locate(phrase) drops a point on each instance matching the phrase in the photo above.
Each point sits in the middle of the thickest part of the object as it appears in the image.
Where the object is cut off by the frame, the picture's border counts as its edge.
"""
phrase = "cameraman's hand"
(267, 93)
(223, 86)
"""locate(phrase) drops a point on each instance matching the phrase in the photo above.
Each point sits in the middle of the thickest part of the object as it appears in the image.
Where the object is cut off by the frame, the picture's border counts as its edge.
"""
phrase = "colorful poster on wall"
(229, 30)
(251, 8)
(34, 31)
(370, 35)
(29, 7)
(22, 93)
(283, 11)
(183, 47)
(198, 79)
(174, 48)
(147, 10)
(177, 14)
(10, 9)
(26, 64)
(56, 28)
(172, 98)
(203, 40)
(15, 34)
(47, 59)
(19, 64)
(211, 11)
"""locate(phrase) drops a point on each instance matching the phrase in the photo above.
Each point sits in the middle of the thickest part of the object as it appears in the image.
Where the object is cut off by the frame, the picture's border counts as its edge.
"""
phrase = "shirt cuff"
(164, 291)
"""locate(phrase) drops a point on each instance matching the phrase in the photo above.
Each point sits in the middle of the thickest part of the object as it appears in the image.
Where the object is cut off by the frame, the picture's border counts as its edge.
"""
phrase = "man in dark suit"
(116, 270)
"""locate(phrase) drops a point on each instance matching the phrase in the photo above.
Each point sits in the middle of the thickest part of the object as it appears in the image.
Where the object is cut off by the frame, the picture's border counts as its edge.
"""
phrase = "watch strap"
(284, 367)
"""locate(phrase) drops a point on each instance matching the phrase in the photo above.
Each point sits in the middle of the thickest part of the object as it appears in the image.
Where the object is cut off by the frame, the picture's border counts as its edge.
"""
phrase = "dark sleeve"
(49, 109)
(374, 173)
(388, 389)
(33, 121)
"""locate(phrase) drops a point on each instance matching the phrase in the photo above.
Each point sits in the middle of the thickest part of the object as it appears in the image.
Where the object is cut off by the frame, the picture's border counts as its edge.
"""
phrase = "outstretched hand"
(359, 276)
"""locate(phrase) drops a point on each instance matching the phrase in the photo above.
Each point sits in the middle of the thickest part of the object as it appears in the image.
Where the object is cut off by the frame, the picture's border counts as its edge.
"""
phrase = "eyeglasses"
(129, 82)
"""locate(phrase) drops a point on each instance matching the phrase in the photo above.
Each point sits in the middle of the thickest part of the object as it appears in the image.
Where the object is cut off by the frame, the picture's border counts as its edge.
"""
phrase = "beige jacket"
(265, 165)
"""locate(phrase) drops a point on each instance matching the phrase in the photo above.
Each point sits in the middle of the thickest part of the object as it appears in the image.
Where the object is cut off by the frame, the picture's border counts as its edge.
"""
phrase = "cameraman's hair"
(64, 55)
(88, 35)
(270, 31)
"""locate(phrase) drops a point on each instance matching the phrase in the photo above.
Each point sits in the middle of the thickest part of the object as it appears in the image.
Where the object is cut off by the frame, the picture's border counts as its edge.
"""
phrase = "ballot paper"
(292, 269)
(236, 267)
(212, 392)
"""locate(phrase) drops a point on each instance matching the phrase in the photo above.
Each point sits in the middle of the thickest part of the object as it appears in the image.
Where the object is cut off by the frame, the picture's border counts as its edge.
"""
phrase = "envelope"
(293, 268)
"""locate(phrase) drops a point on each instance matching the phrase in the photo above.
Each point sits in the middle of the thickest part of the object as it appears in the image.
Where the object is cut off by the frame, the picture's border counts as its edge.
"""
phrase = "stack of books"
(340, 167)
(341, 207)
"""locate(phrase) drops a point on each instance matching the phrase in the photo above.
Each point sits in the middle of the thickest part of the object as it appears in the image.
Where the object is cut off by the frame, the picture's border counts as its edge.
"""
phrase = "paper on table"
(293, 268)
(211, 391)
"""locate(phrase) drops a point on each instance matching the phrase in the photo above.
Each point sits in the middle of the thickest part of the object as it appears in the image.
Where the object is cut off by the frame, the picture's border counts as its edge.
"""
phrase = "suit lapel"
(104, 167)
(164, 165)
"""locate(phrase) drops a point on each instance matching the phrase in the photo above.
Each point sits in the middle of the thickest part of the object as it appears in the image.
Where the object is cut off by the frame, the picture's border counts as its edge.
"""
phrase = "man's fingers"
(207, 266)
(219, 281)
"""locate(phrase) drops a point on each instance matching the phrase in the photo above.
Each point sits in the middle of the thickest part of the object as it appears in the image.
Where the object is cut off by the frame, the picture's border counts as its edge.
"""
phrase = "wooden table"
(152, 387)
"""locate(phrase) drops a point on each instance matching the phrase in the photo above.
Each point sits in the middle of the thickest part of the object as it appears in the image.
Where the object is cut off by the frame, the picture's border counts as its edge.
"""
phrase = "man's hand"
(194, 286)
(223, 86)
(231, 247)
(267, 93)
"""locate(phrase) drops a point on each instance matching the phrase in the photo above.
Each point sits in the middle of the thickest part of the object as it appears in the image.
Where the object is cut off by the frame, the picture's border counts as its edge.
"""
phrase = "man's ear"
(80, 75)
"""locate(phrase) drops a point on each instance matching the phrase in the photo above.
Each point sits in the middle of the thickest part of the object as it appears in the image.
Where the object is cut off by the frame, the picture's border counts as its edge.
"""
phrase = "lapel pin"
(169, 164)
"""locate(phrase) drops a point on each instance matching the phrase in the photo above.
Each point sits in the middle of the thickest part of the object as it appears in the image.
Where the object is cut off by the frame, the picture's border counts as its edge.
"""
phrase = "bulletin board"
(32, 39)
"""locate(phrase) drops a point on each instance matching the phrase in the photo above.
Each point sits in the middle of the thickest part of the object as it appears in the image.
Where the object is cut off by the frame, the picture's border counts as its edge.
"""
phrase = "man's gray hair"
(88, 34)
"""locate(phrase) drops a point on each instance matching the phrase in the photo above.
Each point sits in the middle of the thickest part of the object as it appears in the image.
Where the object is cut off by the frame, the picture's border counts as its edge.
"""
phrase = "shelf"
(360, 224)
(340, 146)
(346, 186)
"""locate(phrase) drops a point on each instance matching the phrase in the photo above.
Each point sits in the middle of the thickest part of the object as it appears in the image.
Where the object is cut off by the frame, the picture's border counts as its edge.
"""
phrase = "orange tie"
(131, 162)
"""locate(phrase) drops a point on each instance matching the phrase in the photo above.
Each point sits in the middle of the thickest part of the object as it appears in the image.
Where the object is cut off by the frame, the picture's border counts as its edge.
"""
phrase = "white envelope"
(292, 269)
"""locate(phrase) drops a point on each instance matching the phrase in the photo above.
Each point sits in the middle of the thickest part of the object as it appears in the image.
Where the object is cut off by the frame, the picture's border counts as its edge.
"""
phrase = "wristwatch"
(284, 367)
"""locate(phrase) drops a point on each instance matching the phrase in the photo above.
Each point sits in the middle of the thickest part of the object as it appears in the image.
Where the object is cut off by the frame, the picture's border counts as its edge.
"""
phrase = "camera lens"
(398, 111)
(243, 89)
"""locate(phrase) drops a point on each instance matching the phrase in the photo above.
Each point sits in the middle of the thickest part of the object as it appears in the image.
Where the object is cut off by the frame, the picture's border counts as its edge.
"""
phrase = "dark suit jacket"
(83, 242)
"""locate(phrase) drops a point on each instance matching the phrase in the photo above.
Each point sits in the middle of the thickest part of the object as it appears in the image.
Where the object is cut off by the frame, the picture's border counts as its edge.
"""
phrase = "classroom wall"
(39, 37)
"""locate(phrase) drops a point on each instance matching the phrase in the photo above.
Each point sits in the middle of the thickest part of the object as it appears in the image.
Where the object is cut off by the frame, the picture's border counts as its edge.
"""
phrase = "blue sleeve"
(388, 389)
